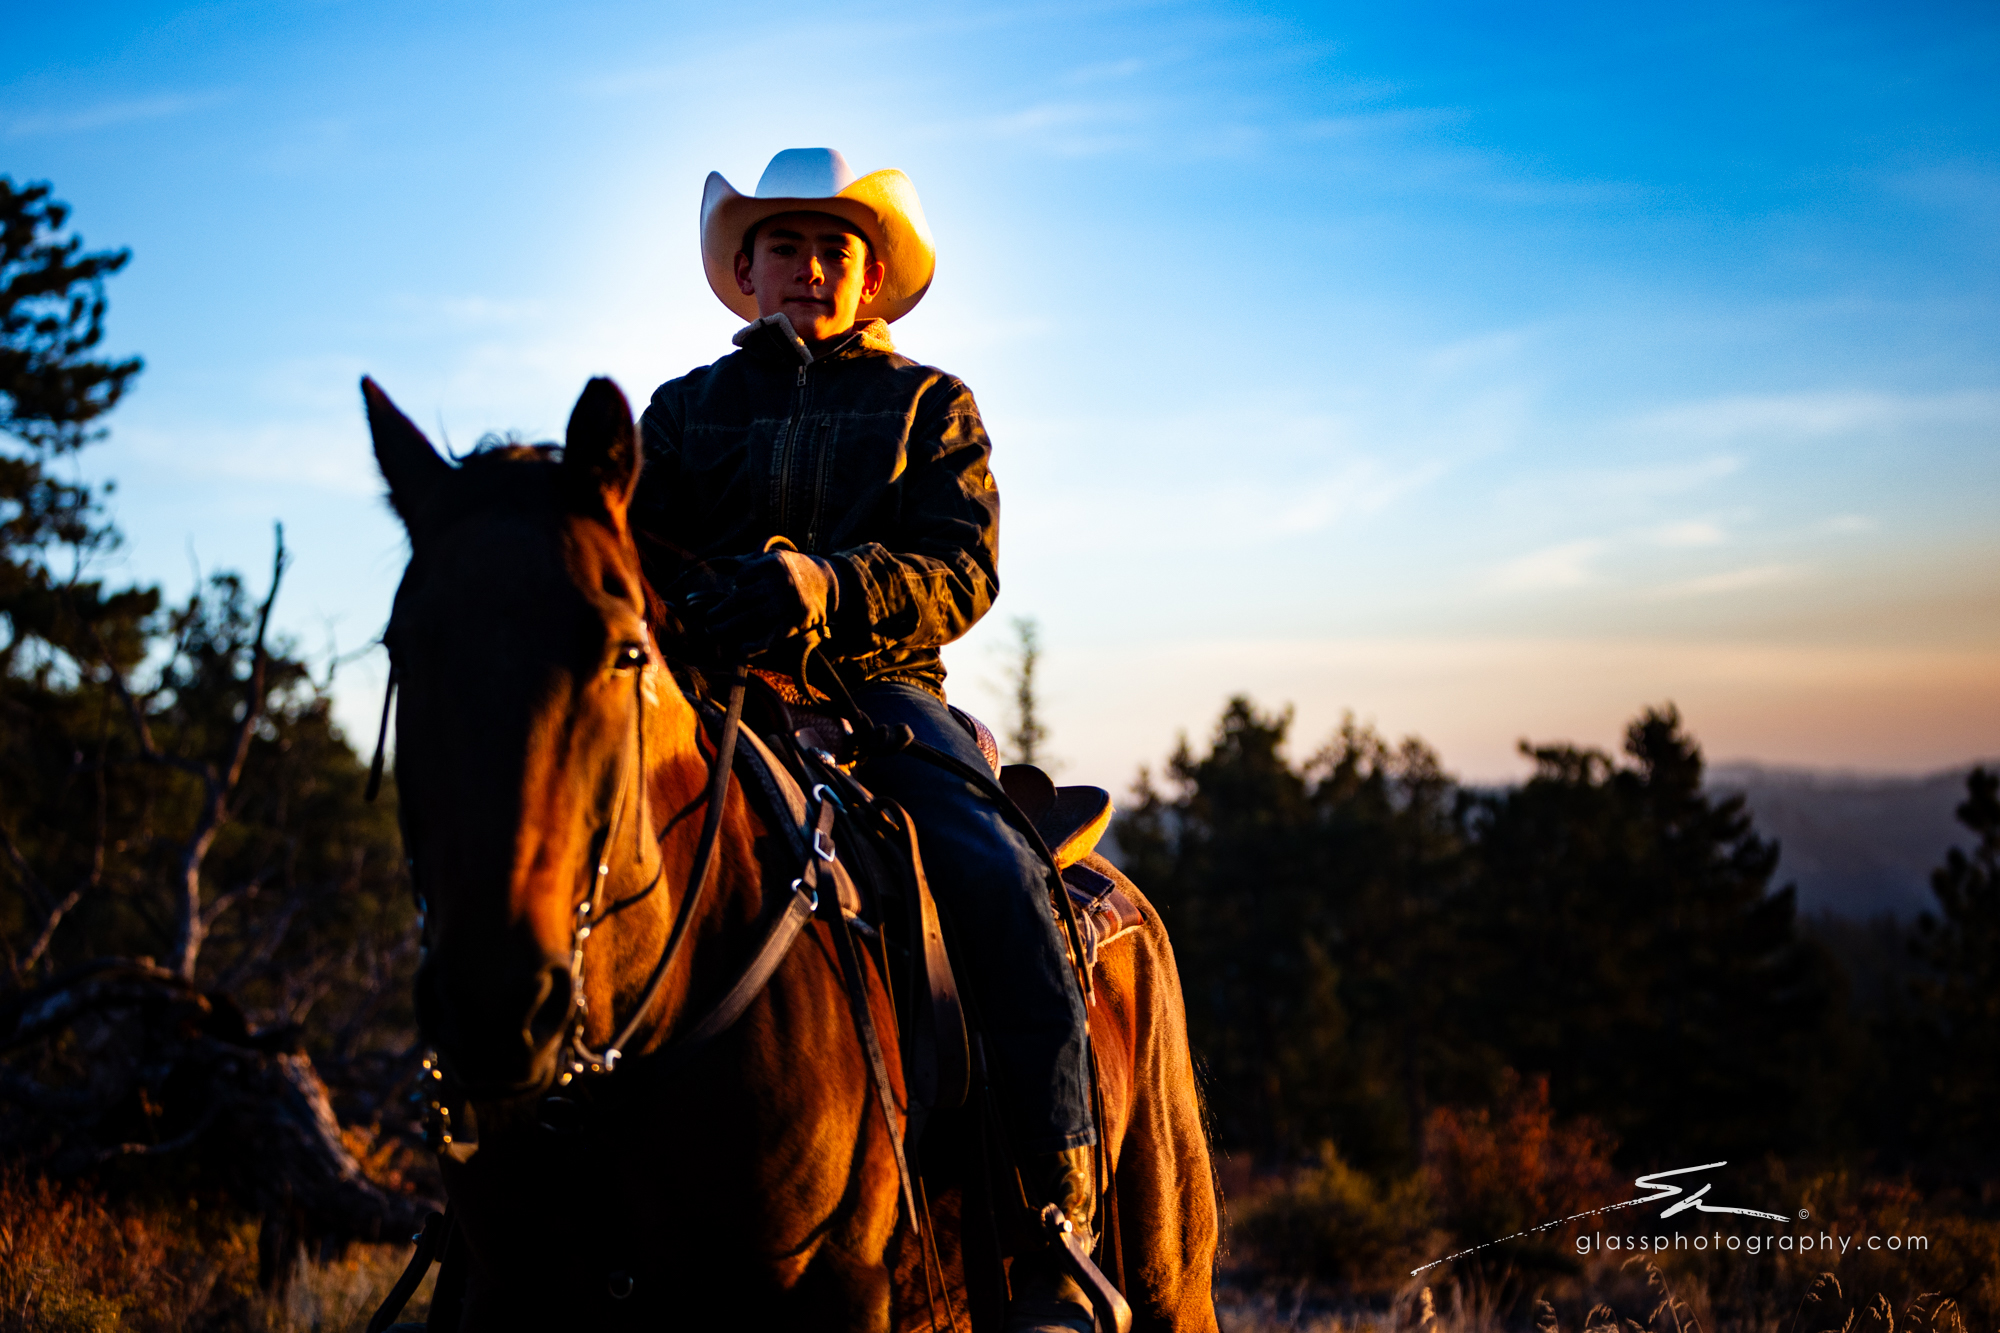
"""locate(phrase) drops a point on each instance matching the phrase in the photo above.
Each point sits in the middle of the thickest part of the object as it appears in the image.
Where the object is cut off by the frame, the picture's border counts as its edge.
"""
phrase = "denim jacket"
(854, 453)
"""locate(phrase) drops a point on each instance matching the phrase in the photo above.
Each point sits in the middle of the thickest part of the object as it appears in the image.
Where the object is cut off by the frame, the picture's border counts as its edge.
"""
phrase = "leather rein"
(578, 1057)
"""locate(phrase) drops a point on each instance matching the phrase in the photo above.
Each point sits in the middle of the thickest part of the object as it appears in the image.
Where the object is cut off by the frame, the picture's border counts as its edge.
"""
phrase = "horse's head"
(517, 641)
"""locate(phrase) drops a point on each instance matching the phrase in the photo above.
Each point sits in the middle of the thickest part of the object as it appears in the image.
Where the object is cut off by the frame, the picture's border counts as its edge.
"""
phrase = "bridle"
(577, 1057)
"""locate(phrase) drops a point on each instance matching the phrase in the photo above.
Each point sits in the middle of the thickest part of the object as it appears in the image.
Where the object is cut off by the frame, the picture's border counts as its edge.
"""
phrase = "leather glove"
(777, 597)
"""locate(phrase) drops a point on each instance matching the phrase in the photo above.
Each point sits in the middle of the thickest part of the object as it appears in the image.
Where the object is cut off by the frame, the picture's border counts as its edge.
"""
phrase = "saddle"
(1069, 820)
(940, 1054)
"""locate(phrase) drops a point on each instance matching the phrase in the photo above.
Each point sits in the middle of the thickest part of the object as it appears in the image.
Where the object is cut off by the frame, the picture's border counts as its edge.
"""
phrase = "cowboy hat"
(882, 204)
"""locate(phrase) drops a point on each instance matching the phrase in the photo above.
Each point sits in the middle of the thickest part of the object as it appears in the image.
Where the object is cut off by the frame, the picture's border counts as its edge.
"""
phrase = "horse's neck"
(650, 869)
(677, 771)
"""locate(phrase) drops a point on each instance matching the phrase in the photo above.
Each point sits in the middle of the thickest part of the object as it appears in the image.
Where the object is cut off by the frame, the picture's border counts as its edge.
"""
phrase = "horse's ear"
(601, 448)
(408, 462)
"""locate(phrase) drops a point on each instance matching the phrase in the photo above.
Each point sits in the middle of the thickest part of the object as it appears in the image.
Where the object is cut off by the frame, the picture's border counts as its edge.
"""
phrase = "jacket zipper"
(825, 451)
(786, 447)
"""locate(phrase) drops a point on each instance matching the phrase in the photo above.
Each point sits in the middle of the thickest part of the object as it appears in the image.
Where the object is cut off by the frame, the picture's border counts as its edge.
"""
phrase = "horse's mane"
(500, 473)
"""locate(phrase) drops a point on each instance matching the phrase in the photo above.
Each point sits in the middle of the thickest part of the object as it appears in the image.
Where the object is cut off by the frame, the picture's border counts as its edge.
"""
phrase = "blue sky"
(1488, 371)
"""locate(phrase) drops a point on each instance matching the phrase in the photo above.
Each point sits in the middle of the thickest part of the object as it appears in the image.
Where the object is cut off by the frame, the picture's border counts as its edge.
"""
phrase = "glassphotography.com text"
(1807, 1242)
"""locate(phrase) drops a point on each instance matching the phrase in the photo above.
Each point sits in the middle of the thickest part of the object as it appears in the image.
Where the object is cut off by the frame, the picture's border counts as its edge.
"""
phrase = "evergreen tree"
(51, 318)
(1960, 944)
(1308, 910)
(53, 393)
(1626, 918)
(1025, 737)
(208, 815)
(1226, 859)
(172, 788)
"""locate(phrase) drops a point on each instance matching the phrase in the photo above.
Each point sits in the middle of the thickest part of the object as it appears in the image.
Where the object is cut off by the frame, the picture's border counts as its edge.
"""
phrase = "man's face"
(812, 267)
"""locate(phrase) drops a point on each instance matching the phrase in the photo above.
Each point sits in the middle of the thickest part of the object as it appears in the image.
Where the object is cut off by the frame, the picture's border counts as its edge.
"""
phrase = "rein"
(579, 1057)
(374, 787)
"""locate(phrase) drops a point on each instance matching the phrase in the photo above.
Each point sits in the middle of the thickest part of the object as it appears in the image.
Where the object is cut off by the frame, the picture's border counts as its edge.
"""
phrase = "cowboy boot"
(1045, 1298)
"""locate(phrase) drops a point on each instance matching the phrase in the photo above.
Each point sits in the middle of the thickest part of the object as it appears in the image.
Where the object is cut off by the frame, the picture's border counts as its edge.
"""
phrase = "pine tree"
(1309, 910)
(1627, 917)
(172, 788)
(1025, 737)
(53, 394)
(171, 782)
(1960, 943)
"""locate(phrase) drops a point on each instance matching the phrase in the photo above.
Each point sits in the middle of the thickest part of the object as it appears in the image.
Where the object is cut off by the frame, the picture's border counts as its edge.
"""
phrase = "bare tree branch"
(100, 984)
(249, 888)
(190, 927)
(271, 936)
(32, 955)
(92, 878)
(25, 872)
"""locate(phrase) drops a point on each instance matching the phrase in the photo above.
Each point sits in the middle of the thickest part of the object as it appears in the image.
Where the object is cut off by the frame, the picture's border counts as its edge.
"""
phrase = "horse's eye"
(629, 657)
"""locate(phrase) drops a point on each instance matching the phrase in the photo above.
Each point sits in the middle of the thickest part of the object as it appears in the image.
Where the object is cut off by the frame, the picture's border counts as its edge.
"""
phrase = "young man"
(875, 470)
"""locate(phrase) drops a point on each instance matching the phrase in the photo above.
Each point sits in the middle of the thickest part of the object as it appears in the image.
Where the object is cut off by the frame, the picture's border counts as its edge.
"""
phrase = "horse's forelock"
(500, 476)
(504, 475)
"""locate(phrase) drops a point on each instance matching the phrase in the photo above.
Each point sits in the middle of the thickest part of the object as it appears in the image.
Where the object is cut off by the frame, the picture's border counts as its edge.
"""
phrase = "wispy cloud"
(104, 115)
(1066, 128)
(1696, 532)
(1236, 516)
(1959, 187)
(1480, 352)
(1106, 71)
(1566, 565)
(1817, 415)
(1364, 487)
(327, 456)
(1735, 580)
(1622, 489)
(1408, 151)
(1359, 126)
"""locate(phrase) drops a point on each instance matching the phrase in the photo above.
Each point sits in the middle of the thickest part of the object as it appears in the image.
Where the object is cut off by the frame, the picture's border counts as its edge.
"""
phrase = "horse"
(568, 821)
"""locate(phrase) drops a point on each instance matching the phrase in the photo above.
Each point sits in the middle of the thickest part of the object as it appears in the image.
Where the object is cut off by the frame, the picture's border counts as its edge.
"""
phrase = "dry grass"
(1635, 1296)
(1325, 1247)
(72, 1261)
(341, 1294)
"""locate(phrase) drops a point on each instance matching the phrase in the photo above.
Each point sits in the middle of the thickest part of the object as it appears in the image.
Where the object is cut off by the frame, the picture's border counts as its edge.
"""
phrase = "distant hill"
(1857, 846)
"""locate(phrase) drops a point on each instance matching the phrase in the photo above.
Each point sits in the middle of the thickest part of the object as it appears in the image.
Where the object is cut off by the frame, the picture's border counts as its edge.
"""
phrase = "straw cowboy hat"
(883, 204)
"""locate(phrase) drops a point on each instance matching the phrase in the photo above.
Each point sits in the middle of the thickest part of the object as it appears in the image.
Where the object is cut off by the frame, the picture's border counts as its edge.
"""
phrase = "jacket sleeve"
(938, 571)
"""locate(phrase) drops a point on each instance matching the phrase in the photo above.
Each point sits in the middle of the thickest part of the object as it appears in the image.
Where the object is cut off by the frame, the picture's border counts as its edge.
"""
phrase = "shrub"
(1502, 1171)
(1336, 1225)
(72, 1262)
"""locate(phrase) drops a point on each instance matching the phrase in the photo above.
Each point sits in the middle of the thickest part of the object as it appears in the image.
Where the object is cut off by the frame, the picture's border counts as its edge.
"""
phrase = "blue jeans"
(993, 889)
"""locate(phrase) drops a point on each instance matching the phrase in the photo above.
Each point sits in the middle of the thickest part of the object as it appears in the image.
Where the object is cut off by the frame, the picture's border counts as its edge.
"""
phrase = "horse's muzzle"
(499, 1032)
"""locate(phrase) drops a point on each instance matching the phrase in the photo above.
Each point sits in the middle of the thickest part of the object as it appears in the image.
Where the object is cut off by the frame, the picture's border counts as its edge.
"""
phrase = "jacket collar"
(773, 338)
